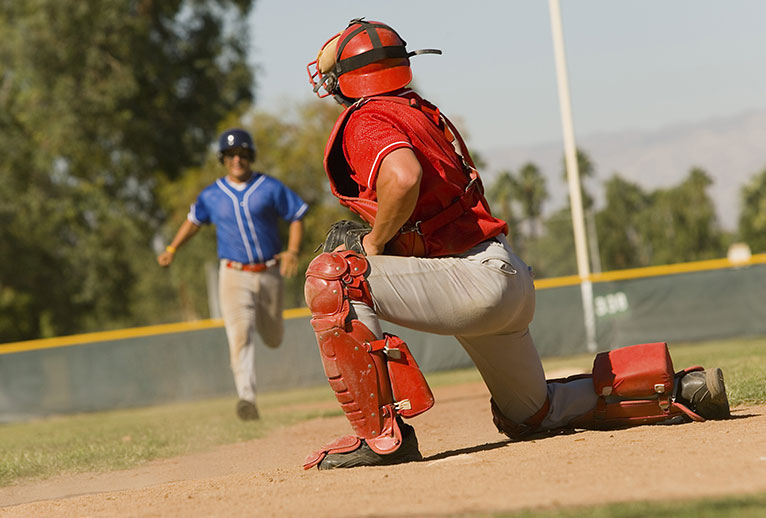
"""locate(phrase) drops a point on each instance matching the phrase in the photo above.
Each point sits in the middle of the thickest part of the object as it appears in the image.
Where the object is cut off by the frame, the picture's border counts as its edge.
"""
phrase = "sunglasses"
(243, 154)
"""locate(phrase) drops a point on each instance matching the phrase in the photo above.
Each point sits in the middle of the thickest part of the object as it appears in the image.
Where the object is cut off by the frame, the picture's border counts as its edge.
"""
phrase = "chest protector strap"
(472, 194)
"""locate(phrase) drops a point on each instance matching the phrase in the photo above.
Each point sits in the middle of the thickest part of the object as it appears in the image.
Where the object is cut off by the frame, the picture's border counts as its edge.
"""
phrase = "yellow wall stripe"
(105, 336)
(540, 284)
(296, 313)
(650, 271)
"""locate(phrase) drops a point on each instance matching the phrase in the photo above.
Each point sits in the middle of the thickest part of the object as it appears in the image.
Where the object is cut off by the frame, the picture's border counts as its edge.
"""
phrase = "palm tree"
(752, 217)
(531, 192)
(501, 194)
(586, 170)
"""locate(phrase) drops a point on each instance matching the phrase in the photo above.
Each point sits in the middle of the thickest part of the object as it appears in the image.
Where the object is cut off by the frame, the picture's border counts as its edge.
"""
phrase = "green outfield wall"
(186, 361)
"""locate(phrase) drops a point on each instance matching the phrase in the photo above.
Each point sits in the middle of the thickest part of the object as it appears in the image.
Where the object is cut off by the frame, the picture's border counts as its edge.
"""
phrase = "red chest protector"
(451, 214)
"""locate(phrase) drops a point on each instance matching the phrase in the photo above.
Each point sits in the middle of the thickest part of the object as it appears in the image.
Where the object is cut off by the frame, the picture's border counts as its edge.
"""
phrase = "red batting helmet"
(368, 58)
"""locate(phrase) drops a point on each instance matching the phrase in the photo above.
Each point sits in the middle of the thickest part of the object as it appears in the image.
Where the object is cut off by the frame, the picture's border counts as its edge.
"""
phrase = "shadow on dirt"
(498, 444)
(740, 416)
(470, 449)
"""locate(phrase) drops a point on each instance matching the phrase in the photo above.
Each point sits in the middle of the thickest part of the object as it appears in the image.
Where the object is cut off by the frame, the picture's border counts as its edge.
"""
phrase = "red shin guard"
(635, 385)
(361, 370)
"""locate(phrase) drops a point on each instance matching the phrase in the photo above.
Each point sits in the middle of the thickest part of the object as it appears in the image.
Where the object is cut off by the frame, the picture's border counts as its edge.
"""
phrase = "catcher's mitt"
(347, 233)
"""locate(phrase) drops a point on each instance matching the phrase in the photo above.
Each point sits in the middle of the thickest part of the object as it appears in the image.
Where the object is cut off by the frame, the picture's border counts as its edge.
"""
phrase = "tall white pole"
(573, 177)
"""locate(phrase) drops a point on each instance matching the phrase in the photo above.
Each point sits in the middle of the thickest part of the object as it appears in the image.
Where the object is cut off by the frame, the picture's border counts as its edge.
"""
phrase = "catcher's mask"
(368, 58)
(235, 138)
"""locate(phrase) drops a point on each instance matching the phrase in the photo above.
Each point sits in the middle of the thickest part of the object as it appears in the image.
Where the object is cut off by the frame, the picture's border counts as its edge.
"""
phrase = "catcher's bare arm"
(398, 186)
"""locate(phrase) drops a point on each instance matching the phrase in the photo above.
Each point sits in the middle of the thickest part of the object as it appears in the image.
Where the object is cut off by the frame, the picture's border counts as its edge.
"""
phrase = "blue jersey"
(246, 220)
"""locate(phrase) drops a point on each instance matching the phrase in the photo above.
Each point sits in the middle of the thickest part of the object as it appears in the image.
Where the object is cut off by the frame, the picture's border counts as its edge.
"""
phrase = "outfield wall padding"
(672, 308)
(194, 364)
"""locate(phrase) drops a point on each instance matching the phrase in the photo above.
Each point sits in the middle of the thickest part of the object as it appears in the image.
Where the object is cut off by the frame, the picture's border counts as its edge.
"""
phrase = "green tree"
(525, 192)
(638, 228)
(553, 253)
(531, 193)
(501, 194)
(681, 224)
(587, 172)
(752, 217)
(622, 241)
(98, 101)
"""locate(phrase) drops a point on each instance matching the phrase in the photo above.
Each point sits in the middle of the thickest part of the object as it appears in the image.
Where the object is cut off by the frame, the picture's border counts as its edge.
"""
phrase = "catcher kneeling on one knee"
(377, 381)
(433, 258)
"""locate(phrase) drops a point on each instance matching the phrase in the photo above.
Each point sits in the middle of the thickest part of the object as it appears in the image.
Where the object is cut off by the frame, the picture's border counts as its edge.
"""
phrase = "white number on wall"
(611, 304)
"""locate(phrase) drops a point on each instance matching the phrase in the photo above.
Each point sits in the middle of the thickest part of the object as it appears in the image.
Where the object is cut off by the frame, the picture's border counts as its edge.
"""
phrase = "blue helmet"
(235, 138)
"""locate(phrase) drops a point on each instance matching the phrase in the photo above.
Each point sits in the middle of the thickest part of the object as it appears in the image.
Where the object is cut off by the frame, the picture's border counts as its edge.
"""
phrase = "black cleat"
(246, 410)
(705, 394)
(364, 456)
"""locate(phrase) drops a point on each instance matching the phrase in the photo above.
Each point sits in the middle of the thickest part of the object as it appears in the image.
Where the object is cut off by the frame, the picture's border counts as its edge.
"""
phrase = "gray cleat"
(705, 394)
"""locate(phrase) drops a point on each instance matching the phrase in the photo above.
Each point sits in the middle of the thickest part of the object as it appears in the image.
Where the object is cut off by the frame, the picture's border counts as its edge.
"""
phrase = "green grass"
(743, 362)
(749, 506)
(123, 438)
(120, 439)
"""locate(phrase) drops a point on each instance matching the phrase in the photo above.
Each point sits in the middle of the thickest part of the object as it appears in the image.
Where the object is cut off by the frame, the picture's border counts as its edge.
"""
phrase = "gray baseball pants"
(486, 299)
(250, 302)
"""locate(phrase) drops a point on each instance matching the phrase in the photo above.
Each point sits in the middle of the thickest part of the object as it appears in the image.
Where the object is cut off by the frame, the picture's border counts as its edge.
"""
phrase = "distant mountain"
(731, 149)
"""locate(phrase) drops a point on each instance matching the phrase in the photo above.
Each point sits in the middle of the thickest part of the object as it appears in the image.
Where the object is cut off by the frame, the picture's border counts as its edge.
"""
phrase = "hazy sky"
(632, 65)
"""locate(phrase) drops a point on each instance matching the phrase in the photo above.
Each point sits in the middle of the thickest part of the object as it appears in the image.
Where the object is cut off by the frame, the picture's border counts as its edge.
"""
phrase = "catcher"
(434, 259)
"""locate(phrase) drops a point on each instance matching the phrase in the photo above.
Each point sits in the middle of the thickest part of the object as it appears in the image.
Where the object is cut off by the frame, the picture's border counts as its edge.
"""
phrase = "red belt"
(251, 267)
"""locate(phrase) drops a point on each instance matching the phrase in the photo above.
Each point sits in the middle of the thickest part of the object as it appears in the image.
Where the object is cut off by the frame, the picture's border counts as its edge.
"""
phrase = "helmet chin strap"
(343, 100)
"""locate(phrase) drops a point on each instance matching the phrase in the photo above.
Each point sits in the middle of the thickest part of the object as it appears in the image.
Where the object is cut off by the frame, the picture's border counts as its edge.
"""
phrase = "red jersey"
(451, 214)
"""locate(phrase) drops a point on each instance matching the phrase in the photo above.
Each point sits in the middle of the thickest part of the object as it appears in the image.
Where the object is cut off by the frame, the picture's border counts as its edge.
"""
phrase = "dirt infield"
(468, 468)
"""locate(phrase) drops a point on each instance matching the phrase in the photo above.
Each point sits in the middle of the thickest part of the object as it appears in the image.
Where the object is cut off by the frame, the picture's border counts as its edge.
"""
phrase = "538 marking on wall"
(611, 304)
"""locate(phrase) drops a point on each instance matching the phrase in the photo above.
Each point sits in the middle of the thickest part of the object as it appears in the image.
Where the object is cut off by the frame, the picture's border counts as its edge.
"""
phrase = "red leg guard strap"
(412, 395)
(518, 431)
(350, 443)
(355, 362)
(359, 379)
(345, 444)
(358, 376)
